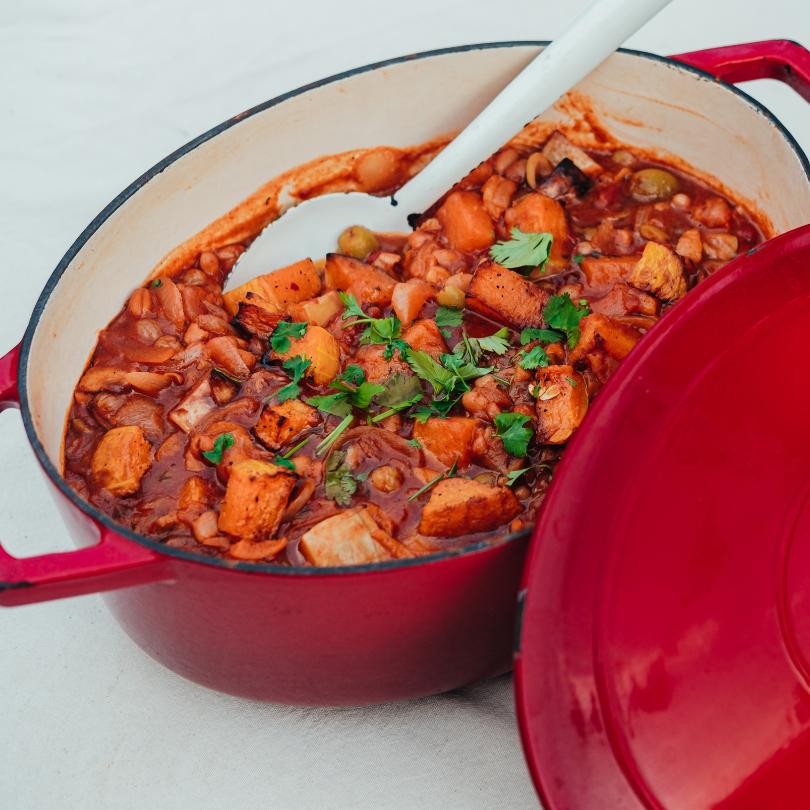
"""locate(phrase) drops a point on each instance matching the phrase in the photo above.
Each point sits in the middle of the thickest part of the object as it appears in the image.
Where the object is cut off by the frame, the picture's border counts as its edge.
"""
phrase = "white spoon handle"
(593, 36)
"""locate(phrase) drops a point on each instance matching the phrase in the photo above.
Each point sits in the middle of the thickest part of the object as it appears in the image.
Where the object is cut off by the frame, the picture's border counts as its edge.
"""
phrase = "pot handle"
(780, 59)
(112, 563)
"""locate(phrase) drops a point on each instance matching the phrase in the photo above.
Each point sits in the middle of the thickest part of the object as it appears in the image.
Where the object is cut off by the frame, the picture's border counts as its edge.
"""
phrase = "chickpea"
(386, 478)
(649, 185)
(357, 242)
(681, 201)
(451, 296)
(148, 330)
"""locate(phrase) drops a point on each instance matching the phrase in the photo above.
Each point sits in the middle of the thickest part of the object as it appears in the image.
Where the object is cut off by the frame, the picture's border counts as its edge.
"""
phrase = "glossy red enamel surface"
(665, 650)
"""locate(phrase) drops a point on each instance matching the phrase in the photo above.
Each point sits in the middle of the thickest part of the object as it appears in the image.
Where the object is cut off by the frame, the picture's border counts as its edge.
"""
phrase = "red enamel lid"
(664, 656)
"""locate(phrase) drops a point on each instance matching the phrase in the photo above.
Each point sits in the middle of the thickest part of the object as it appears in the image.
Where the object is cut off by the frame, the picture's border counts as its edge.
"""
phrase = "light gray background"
(91, 94)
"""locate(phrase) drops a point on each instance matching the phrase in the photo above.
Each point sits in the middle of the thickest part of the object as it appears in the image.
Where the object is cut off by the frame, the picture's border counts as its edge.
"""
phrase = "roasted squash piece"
(321, 348)
(409, 297)
(562, 402)
(600, 332)
(257, 316)
(196, 493)
(465, 221)
(450, 440)
(506, 296)
(424, 336)
(283, 423)
(462, 506)
(605, 271)
(366, 283)
(255, 499)
(352, 537)
(318, 311)
(121, 460)
(285, 286)
(660, 272)
(536, 213)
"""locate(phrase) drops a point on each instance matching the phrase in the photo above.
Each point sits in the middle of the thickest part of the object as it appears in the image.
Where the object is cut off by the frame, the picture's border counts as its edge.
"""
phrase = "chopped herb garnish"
(221, 444)
(415, 443)
(563, 314)
(446, 474)
(578, 257)
(155, 283)
(543, 335)
(512, 477)
(536, 357)
(296, 367)
(471, 349)
(399, 406)
(285, 463)
(335, 404)
(222, 373)
(523, 250)
(511, 427)
(449, 317)
(339, 483)
(398, 388)
(385, 331)
(430, 370)
(572, 381)
(353, 374)
(280, 339)
(332, 437)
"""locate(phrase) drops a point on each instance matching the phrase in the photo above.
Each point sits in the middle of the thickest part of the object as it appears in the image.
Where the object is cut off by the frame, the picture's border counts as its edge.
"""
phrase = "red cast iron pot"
(359, 634)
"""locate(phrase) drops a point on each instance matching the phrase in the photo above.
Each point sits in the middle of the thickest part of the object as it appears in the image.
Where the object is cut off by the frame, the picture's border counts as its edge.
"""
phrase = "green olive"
(623, 157)
(357, 242)
(649, 185)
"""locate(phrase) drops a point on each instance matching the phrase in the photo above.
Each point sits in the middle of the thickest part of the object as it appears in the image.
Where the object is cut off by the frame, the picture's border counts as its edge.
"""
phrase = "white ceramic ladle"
(312, 227)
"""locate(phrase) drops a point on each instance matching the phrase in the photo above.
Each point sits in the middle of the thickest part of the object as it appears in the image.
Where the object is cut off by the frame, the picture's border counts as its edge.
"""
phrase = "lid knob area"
(665, 654)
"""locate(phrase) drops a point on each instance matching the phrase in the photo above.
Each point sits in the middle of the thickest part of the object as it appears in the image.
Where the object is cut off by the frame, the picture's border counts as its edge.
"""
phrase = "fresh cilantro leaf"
(221, 444)
(280, 339)
(497, 343)
(285, 463)
(353, 374)
(451, 473)
(578, 257)
(335, 404)
(511, 427)
(536, 357)
(428, 369)
(543, 335)
(339, 483)
(563, 314)
(572, 381)
(512, 477)
(398, 388)
(332, 437)
(155, 283)
(462, 369)
(352, 308)
(365, 392)
(449, 317)
(296, 367)
(396, 343)
(399, 406)
(415, 443)
(422, 414)
(522, 250)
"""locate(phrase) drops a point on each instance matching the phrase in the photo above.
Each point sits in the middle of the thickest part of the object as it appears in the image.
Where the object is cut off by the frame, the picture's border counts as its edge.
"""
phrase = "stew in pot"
(406, 394)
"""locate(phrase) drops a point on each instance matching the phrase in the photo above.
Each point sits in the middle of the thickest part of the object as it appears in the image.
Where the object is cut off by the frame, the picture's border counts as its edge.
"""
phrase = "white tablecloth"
(92, 93)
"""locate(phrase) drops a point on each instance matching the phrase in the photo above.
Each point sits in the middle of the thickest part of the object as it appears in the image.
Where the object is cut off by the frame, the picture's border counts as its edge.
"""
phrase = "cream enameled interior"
(696, 119)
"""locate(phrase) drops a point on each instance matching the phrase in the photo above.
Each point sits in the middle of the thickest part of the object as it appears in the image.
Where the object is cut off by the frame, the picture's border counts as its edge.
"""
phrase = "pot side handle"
(113, 562)
(780, 59)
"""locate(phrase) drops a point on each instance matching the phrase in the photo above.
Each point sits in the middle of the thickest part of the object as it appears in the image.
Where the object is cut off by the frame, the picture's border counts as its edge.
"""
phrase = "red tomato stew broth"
(409, 393)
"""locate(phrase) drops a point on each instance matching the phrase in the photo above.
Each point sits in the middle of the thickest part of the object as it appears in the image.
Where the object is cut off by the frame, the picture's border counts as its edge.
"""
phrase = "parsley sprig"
(353, 392)
(221, 444)
(523, 250)
(296, 367)
(280, 339)
(471, 349)
(385, 331)
(511, 427)
(562, 314)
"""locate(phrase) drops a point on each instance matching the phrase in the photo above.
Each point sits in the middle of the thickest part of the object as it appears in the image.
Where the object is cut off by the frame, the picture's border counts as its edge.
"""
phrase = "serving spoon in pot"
(312, 227)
